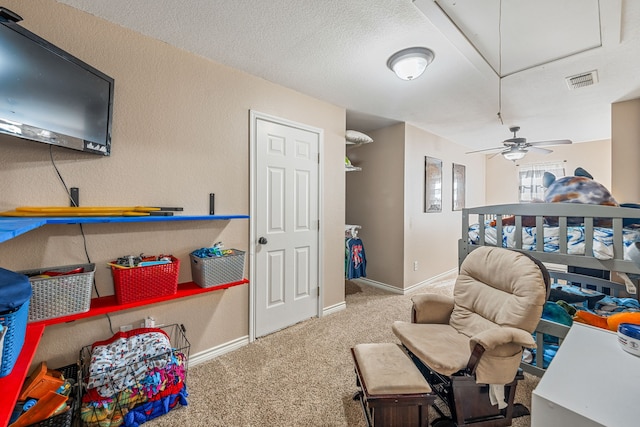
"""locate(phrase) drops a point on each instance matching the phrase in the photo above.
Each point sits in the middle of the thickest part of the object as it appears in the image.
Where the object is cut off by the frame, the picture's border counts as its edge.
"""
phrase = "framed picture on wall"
(432, 184)
(458, 187)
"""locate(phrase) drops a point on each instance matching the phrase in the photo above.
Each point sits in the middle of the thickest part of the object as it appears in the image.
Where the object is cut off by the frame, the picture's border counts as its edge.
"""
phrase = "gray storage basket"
(59, 296)
(214, 271)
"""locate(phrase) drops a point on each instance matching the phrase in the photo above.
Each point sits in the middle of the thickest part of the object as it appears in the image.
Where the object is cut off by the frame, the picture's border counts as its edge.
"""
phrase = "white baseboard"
(375, 284)
(334, 308)
(440, 277)
(212, 353)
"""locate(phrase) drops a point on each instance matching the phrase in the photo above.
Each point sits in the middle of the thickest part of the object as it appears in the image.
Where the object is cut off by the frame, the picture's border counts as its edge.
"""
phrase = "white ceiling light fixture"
(514, 153)
(410, 63)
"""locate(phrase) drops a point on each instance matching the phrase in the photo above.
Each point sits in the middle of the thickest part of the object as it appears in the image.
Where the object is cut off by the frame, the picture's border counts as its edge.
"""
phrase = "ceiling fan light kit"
(410, 63)
(514, 153)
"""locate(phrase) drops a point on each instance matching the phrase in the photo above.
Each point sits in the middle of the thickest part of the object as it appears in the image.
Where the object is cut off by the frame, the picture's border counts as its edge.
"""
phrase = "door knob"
(262, 241)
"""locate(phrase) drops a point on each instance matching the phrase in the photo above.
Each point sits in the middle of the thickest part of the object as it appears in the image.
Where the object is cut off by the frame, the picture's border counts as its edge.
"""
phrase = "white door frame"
(253, 117)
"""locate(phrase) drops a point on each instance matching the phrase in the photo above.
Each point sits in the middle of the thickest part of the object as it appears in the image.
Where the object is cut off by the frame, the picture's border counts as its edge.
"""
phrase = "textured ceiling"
(336, 50)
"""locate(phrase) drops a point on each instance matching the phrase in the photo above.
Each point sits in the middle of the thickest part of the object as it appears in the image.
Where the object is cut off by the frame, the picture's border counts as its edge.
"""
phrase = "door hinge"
(318, 288)
(318, 225)
(318, 158)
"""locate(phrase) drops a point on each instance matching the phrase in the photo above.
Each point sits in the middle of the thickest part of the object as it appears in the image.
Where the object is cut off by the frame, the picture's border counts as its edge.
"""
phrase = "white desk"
(591, 381)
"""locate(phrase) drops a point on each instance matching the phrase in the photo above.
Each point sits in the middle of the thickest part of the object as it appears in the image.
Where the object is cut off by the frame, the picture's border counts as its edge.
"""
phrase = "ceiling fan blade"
(552, 142)
(540, 150)
(484, 149)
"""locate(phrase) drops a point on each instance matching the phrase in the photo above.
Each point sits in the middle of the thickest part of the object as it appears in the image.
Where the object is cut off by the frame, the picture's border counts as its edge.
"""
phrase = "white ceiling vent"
(582, 80)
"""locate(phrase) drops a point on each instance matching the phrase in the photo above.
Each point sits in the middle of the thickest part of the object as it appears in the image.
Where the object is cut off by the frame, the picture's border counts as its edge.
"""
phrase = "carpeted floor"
(303, 375)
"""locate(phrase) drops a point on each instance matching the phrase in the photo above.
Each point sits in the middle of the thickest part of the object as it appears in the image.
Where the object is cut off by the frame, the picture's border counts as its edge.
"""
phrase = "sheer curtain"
(530, 179)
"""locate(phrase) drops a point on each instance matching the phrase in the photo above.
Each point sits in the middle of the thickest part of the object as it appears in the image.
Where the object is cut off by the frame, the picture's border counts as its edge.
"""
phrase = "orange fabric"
(582, 316)
(615, 319)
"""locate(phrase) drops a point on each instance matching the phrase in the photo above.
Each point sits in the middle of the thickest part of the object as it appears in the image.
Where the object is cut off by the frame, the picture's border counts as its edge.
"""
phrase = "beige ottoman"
(392, 392)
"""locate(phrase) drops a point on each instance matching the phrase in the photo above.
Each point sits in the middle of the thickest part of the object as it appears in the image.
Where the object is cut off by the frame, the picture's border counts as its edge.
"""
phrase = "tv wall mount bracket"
(9, 15)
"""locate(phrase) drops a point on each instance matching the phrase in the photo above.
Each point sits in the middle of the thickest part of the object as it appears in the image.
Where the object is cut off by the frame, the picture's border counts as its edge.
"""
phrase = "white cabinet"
(591, 381)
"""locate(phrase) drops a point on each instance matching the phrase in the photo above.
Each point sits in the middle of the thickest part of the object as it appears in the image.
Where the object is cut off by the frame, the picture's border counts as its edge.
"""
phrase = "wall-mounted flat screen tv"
(50, 96)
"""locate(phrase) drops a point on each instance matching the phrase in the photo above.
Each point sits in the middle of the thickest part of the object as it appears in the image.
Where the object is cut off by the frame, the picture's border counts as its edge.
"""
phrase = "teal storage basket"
(16, 324)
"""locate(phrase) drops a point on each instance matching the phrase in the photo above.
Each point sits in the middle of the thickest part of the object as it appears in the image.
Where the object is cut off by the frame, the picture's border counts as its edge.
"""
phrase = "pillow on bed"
(527, 221)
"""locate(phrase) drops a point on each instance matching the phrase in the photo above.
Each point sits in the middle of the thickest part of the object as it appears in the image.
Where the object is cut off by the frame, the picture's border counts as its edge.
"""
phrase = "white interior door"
(285, 219)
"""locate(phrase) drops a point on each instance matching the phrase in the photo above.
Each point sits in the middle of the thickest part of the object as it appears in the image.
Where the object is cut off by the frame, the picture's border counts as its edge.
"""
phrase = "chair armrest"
(431, 308)
(493, 338)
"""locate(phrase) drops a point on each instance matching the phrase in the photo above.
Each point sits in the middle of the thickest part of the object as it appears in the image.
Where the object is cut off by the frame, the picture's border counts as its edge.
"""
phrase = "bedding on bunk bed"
(602, 239)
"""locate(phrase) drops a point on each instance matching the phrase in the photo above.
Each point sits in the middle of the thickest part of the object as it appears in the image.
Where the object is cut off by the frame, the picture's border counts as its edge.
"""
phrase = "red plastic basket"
(140, 283)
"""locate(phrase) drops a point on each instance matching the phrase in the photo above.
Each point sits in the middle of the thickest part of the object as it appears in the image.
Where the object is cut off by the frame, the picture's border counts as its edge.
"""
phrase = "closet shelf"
(11, 227)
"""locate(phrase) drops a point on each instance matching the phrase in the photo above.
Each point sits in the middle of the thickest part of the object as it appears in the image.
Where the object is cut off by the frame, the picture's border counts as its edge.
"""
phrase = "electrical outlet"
(125, 328)
(415, 265)
(149, 322)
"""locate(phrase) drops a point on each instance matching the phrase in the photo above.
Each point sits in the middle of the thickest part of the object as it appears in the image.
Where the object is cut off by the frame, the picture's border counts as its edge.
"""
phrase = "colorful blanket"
(129, 370)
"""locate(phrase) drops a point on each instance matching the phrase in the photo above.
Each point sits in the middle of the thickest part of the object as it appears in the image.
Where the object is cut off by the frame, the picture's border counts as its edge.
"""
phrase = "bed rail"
(589, 215)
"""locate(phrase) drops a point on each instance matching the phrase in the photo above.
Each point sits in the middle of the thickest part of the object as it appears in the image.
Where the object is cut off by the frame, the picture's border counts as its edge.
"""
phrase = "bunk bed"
(566, 237)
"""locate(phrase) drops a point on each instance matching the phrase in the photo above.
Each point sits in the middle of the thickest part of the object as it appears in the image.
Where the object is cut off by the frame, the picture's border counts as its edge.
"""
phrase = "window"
(530, 179)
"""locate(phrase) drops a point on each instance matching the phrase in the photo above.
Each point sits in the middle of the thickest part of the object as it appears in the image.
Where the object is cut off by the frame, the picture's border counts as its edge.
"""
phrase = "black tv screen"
(48, 95)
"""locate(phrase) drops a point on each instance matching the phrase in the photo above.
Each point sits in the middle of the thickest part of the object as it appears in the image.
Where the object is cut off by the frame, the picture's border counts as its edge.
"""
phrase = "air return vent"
(582, 80)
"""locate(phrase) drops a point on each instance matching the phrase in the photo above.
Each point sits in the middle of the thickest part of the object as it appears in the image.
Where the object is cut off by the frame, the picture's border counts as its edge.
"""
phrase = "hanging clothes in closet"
(355, 259)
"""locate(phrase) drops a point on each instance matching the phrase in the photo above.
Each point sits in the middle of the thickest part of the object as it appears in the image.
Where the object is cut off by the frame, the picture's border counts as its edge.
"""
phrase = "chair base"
(468, 401)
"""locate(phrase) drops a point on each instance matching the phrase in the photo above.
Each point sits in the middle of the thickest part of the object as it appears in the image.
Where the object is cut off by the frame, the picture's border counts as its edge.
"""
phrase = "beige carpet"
(303, 375)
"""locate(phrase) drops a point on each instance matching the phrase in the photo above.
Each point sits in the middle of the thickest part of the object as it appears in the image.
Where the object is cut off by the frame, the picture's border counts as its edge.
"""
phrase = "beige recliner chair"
(469, 346)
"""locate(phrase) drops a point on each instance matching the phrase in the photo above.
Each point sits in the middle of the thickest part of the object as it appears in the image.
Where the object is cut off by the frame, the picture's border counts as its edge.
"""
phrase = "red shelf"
(12, 383)
(109, 304)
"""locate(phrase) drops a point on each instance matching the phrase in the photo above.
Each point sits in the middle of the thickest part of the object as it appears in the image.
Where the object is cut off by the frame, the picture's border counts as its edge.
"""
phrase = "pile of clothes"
(131, 378)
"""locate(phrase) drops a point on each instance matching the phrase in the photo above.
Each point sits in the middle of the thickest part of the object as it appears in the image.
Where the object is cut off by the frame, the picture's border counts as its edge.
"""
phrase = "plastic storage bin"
(141, 283)
(217, 270)
(62, 295)
(15, 294)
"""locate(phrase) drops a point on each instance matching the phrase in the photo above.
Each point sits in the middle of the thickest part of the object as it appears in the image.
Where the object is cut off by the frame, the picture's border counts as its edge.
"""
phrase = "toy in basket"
(60, 291)
(48, 398)
(216, 266)
(15, 295)
(140, 278)
(134, 376)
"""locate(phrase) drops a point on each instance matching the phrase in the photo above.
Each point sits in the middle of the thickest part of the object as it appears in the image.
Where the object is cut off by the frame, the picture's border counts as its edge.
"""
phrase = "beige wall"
(387, 199)
(502, 175)
(432, 238)
(625, 150)
(180, 132)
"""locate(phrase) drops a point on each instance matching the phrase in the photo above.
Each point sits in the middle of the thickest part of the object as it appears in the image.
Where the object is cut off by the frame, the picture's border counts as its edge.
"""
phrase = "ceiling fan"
(517, 147)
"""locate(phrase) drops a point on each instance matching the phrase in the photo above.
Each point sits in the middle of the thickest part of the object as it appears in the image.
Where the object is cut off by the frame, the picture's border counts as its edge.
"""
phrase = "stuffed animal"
(580, 188)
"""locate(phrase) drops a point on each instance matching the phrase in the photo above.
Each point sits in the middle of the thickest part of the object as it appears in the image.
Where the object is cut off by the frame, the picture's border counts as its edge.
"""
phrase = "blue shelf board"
(11, 227)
